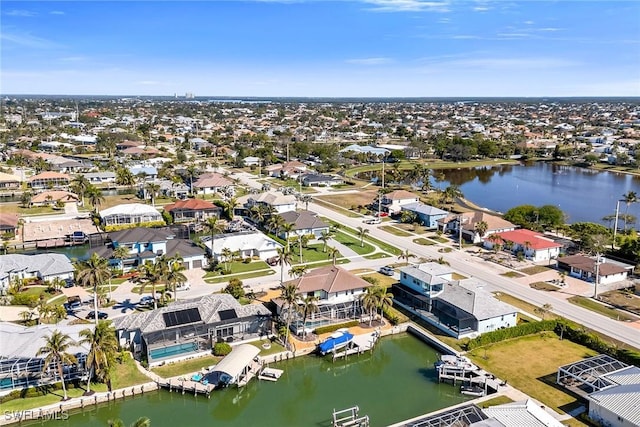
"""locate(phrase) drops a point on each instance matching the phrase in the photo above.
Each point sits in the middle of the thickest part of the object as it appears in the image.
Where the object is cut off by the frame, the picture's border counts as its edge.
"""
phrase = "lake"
(396, 382)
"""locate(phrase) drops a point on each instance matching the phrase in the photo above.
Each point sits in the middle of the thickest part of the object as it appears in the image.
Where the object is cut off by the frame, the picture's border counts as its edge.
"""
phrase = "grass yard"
(222, 279)
(50, 398)
(622, 299)
(500, 400)
(239, 267)
(395, 231)
(439, 239)
(544, 286)
(349, 200)
(530, 364)
(377, 255)
(353, 243)
(127, 374)
(522, 305)
(512, 274)
(534, 269)
(274, 349)
(383, 280)
(186, 366)
(384, 246)
(595, 306)
(423, 241)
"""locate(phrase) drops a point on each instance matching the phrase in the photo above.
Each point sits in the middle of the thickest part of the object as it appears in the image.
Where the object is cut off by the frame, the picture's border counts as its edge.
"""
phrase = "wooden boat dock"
(349, 418)
(183, 385)
(358, 345)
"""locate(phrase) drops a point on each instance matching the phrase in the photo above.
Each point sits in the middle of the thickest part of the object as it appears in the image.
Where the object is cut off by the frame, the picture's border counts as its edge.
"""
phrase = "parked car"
(272, 261)
(183, 287)
(146, 300)
(382, 214)
(372, 221)
(387, 271)
(73, 303)
(101, 315)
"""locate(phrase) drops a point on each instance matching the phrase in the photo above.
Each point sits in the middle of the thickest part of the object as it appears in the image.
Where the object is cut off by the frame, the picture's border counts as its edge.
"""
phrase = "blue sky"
(362, 48)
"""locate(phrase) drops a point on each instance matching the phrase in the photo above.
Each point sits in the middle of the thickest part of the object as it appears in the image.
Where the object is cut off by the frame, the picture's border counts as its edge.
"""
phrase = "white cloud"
(27, 40)
(513, 63)
(20, 13)
(408, 6)
(529, 22)
(56, 12)
(481, 8)
(369, 61)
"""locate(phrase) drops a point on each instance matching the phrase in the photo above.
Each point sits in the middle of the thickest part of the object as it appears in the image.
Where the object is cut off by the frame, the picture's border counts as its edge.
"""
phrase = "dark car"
(387, 271)
(101, 315)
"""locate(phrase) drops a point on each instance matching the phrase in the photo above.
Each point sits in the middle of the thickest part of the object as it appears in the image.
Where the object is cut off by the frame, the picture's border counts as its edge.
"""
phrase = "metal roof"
(235, 362)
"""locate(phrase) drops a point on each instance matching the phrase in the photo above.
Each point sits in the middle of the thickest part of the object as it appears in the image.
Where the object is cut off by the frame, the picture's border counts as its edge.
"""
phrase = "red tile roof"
(192, 204)
(49, 175)
(536, 241)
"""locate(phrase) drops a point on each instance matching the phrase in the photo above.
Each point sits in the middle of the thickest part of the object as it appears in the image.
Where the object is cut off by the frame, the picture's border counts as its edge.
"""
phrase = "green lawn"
(353, 243)
(395, 231)
(544, 286)
(439, 239)
(383, 280)
(595, 306)
(311, 253)
(534, 269)
(240, 267)
(377, 255)
(512, 274)
(222, 279)
(530, 364)
(127, 374)
(423, 241)
(186, 367)
(274, 349)
(500, 400)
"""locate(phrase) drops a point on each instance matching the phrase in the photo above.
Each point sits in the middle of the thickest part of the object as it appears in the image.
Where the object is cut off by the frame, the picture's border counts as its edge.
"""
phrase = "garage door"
(197, 263)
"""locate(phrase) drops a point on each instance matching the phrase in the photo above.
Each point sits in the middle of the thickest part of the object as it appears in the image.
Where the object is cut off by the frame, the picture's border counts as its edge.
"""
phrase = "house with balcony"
(425, 214)
(338, 294)
(192, 210)
(534, 246)
(461, 308)
(393, 202)
(48, 179)
(9, 181)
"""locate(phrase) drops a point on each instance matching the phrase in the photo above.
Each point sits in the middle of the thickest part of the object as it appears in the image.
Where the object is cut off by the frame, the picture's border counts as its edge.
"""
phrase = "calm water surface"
(396, 382)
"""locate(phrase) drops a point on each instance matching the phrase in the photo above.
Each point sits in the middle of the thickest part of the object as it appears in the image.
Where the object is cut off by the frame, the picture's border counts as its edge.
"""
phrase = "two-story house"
(426, 215)
(338, 294)
(304, 223)
(192, 210)
(48, 179)
(393, 202)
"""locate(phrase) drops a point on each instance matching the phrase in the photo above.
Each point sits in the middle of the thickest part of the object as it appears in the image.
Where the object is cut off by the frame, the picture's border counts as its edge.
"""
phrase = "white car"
(372, 221)
(183, 287)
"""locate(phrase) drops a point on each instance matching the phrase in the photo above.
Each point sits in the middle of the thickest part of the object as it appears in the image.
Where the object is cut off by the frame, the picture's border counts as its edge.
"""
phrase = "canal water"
(397, 381)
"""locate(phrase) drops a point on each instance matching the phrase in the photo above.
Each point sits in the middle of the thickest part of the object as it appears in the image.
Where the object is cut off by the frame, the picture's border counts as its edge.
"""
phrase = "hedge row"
(508, 333)
(332, 328)
(37, 391)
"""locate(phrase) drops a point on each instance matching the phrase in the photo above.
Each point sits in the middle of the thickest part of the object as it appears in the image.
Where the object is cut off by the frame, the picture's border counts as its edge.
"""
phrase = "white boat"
(454, 363)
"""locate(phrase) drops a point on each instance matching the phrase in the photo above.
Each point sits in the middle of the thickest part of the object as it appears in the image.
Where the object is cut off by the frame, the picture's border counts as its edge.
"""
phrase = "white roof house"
(619, 403)
(43, 266)
(525, 413)
(130, 213)
(251, 243)
(235, 364)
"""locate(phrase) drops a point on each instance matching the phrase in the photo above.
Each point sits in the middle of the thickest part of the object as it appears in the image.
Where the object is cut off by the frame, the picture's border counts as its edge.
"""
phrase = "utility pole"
(595, 287)
(615, 225)
(460, 232)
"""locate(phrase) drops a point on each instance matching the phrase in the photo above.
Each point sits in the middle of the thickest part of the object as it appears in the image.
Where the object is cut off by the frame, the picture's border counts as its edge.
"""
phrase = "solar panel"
(228, 314)
(182, 317)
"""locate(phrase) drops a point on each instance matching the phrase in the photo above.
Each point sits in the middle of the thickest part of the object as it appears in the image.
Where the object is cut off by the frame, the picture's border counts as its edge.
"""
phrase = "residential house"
(210, 183)
(189, 327)
(147, 244)
(249, 244)
(339, 297)
(130, 213)
(533, 245)
(320, 180)
(9, 182)
(292, 169)
(617, 403)
(192, 210)
(586, 268)
(100, 177)
(521, 413)
(274, 199)
(304, 223)
(425, 214)
(251, 161)
(45, 267)
(470, 220)
(52, 197)
(393, 202)
(9, 223)
(146, 171)
(172, 189)
(461, 308)
(48, 179)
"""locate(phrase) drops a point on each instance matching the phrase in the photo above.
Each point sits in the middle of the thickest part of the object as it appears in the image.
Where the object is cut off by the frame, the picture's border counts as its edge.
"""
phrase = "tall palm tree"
(370, 302)
(102, 352)
(79, 185)
(298, 270)
(629, 198)
(227, 254)
(361, 233)
(385, 299)
(481, 228)
(286, 228)
(121, 253)
(214, 227)
(288, 294)
(152, 188)
(95, 197)
(306, 306)
(230, 206)
(151, 276)
(406, 255)
(125, 177)
(325, 236)
(175, 275)
(451, 193)
(55, 350)
(284, 258)
(333, 254)
(306, 199)
(93, 273)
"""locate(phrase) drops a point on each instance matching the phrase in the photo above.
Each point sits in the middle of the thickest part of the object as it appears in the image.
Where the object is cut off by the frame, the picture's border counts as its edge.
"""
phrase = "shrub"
(513, 332)
(235, 288)
(29, 300)
(332, 328)
(221, 349)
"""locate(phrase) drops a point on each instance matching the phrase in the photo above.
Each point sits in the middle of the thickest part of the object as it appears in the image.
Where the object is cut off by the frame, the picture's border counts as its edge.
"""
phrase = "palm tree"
(140, 422)
(370, 302)
(289, 296)
(481, 228)
(286, 228)
(227, 254)
(54, 351)
(151, 276)
(307, 306)
(79, 185)
(408, 217)
(212, 225)
(306, 199)
(385, 299)
(451, 193)
(333, 254)
(95, 197)
(298, 270)
(152, 188)
(274, 223)
(406, 255)
(121, 253)
(630, 197)
(93, 273)
(361, 233)
(175, 275)
(496, 240)
(284, 258)
(25, 199)
(125, 177)
(102, 352)
(230, 206)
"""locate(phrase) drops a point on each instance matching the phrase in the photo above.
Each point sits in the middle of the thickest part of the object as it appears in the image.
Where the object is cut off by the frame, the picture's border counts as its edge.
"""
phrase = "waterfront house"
(22, 367)
(393, 202)
(189, 327)
(130, 214)
(210, 183)
(147, 244)
(532, 245)
(100, 177)
(468, 221)
(304, 223)
(52, 197)
(9, 181)
(426, 215)
(338, 292)
(192, 210)
(45, 267)
(461, 308)
(584, 267)
(248, 243)
(48, 179)
(615, 403)
(320, 180)
(9, 223)
(172, 189)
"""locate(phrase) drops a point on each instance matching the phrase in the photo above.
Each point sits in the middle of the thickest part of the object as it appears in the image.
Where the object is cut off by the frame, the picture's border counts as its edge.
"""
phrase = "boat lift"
(349, 418)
